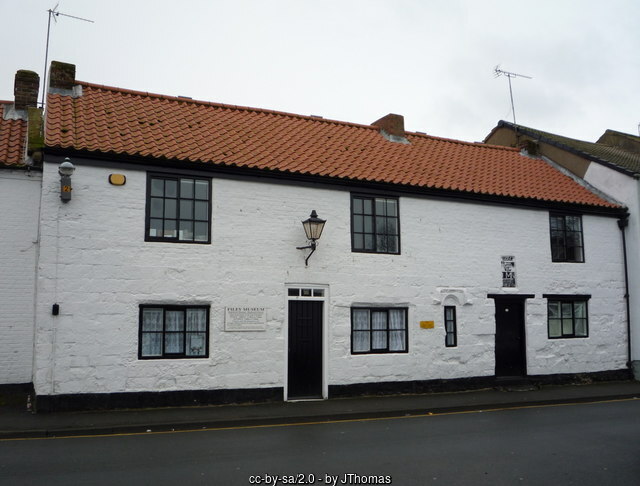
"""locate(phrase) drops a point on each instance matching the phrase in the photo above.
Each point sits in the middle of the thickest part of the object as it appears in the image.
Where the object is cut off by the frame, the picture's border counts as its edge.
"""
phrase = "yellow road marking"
(319, 422)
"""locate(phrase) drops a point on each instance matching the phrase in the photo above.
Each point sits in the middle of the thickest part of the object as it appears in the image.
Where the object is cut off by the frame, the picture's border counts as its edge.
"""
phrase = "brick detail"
(62, 75)
(25, 89)
(392, 124)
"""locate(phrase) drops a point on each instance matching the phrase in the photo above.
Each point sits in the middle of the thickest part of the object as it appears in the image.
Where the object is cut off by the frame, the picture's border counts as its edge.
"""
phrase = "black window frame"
(450, 327)
(388, 330)
(375, 233)
(164, 332)
(567, 299)
(179, 197)
(561, 249)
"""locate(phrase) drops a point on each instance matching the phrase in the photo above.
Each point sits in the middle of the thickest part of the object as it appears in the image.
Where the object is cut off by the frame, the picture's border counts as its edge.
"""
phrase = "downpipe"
(623, 222)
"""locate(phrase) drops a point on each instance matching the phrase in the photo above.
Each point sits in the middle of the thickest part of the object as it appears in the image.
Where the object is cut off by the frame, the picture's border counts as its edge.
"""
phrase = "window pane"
(379, 339)
(581, 327)
(156, 207)
(170, 208)
(186, 188)
(397, 319)
(174, 321)
(157, 187)
(170, 230)
(381, 225)
(151, 344)
(155, 227)
(152, 320)
(392, 226)
(196, 319)
(392, 242)
(555, 328)
(378, 320)
(450, 340)
(186, 209)
(381, 207)
(174, 343)
(318, 292)
(306, 293)
(201, 211)
(294, 292)
(580, 309)
(557, 223)
(367, 206)
(448, 313)
(202, 190)
(392, 207)
(357, 205)
(575, 254)
(381, 244)
(196, 344)
(567, 327)
(396, 340)
(567, 309)
(361, 341)
(554, 309)
(358, 242)
(186, 230)
(573, 223)
(358, 224)
(360, 319)
(368, 242)
(201, 232)
(171, 189)
(368, 224)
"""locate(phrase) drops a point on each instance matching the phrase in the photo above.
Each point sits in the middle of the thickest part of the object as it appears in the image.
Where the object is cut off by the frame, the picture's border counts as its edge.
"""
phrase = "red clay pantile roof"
(13, 139)
(130, 123)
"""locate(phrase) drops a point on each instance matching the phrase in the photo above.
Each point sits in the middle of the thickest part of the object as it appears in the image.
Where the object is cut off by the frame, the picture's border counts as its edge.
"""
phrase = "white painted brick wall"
(95, 246)
(19, 200)
(627, 190)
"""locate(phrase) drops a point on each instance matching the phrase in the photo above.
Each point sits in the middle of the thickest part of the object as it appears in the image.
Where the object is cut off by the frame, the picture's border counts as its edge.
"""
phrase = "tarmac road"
(582, 444)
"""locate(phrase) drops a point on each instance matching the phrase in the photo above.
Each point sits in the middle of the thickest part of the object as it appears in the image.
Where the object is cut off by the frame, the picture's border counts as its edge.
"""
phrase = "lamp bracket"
(312, 245)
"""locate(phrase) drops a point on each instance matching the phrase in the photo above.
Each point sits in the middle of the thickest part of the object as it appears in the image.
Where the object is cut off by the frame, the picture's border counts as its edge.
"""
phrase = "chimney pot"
(25, 89)
(392, 124)
(62, 75)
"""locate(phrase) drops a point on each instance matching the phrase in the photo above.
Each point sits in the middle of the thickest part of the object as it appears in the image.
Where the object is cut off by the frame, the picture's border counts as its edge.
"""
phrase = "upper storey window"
(178, 209)
(566, 238)
(375, 224)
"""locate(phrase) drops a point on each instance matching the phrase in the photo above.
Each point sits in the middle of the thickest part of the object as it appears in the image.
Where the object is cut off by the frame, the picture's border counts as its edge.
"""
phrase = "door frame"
(325, 332)
(520, 299)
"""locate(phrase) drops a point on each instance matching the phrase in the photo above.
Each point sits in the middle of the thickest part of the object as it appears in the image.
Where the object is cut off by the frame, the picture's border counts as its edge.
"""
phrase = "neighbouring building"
(172, 265)
(612, 165)
(20, 188)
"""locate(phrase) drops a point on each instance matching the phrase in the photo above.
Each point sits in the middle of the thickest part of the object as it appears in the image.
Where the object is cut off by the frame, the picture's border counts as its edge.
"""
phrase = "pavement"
(17, 422)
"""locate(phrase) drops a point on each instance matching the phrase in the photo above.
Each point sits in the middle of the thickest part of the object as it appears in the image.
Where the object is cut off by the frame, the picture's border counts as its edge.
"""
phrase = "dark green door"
(305, 349)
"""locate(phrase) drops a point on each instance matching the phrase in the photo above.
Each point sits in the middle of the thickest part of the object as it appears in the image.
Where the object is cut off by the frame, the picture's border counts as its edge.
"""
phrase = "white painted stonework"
(19, 203)
(627, 190)
(95, 264)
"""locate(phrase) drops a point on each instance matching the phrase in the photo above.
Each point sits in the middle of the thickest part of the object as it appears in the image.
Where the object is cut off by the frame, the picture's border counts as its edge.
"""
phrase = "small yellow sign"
(427, 324)
(117, 179)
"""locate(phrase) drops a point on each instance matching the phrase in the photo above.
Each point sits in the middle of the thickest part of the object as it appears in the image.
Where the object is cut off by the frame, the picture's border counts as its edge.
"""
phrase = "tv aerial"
(499, 72)
(54, 14)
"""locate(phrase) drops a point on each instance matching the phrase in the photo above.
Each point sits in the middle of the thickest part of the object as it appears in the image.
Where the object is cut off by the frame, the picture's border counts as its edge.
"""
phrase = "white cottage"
(173, 266)
(611, 164)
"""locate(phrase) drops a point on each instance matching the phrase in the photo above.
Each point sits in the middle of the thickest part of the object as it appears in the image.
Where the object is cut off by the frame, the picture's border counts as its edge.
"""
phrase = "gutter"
(623, 222)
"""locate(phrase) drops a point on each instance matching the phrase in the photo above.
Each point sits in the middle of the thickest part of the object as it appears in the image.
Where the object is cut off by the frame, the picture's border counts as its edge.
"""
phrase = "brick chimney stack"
(392, 124)
(25, 89)
(62, 75)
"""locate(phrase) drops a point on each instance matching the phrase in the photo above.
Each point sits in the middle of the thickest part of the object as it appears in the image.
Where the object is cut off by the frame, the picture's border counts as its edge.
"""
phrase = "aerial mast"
(499, 72)
(53, 14)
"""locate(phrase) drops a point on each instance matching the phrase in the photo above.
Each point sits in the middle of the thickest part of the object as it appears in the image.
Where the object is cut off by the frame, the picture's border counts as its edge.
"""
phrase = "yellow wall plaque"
(427, 324)
(117, 179)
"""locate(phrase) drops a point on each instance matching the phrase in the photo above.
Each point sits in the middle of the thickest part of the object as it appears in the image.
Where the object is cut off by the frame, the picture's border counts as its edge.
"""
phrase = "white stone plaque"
(245, 319)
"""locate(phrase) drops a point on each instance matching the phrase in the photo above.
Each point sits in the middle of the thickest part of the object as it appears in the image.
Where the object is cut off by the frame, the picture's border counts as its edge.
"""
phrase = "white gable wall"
(627, 190)
(19, 200)
(95, 264)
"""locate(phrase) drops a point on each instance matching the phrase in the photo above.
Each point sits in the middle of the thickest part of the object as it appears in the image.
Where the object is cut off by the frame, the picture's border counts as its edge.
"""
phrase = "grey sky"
(355, 60)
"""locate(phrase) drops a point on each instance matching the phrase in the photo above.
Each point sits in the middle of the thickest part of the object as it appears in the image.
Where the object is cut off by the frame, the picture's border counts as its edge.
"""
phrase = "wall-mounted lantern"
(313, 227)
(65, 170)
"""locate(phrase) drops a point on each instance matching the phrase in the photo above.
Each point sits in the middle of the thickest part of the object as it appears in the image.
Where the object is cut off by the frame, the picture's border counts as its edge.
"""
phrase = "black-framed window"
(567, 316)
(566, 238)
(376, 330)
(173, 331)
(451, 337)
(178, 209)
(375, 224)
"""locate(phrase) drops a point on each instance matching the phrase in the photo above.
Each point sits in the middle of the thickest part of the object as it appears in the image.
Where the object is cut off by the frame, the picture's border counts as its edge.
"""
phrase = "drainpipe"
(623, 222)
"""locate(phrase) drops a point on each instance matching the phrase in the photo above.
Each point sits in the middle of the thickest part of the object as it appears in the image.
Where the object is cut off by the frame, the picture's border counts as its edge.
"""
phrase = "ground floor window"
(377, 330)
(567, 316)
(451, 338)
(172, 331)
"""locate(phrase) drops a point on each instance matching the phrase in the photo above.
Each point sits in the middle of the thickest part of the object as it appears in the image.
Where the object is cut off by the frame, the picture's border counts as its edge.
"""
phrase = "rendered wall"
(627, 190)
(97, 266)
(19, 200)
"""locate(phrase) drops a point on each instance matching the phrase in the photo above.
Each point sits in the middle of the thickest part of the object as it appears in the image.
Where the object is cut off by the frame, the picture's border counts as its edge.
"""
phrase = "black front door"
(305, 349)
(510, 344)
